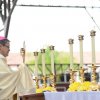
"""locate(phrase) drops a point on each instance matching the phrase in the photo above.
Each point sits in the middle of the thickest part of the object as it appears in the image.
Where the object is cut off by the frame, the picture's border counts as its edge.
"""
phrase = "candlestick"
(52, 78)
(71, 76)
(94, 84)
(22, 52)
(93, 73)
(82, 74)
(52, 67)
(36, 64)
(43, 62)
(80, 37)
(92, 34)
(71, 41)
(44, 81)
(52, 59)
(37, 82)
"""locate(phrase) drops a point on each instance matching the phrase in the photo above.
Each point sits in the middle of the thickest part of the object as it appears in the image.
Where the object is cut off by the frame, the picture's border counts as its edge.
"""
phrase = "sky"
(40, 27)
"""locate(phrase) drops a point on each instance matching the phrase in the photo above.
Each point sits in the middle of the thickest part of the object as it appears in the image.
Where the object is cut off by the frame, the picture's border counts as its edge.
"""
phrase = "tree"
(59, 58)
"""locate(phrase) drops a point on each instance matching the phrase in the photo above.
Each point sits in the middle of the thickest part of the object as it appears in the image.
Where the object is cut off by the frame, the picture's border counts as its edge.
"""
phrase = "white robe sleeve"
(15, 82)
(26, 79)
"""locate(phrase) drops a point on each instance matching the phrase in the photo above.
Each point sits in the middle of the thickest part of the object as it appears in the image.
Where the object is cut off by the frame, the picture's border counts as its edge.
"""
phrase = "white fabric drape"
(82, 95)
(12, 82)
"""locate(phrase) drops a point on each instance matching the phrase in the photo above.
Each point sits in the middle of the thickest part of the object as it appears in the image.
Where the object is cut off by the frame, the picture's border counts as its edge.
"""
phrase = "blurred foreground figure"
(13, 82)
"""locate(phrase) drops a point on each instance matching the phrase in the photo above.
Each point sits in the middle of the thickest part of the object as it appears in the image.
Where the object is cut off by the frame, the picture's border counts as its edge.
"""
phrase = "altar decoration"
(36, 69)
(44, 78)
(71, 42)
(78, 86)
(85, 85)
(93, 34)
(71, 76)
(81, 71)
(81, 38)
(46, 89)
(94, 85)
(52, 76)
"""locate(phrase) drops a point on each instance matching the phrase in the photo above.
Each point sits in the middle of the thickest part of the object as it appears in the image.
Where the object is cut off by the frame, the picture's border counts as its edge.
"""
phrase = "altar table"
(37, 96)
(84, 95)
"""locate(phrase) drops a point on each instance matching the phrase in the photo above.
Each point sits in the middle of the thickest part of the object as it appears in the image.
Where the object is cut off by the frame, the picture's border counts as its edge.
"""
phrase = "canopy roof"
(33, 17)
(9, 5)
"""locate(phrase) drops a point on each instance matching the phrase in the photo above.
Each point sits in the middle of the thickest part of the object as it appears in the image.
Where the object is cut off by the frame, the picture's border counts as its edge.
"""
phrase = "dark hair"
(4, 41)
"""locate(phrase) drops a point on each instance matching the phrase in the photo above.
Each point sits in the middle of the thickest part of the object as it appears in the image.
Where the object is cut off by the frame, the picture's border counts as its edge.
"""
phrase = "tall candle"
(71, 41)
(92, 34)
(52, 59)
(43, 61)
(36, 64)
(80, 37)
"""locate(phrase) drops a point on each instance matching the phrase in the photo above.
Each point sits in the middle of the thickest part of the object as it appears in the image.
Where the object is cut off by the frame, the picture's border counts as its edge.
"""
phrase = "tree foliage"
(59, 58)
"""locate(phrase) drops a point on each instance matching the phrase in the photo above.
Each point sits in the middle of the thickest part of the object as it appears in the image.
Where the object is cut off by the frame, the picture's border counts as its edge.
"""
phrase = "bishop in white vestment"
(12, 82)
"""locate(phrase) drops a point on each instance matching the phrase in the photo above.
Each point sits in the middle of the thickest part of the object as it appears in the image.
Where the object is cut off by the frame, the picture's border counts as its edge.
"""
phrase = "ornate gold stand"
(37, 80)
(44, 81)
(52, 77)
(93, 73)
(71, 76)
(94, 85)
(82, 74)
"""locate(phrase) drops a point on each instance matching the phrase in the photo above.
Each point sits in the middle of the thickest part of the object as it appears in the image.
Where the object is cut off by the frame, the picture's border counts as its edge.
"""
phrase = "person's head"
(4, 46)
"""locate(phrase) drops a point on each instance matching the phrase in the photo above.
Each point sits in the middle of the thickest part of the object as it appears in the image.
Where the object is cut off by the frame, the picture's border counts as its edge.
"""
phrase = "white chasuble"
(12, 82)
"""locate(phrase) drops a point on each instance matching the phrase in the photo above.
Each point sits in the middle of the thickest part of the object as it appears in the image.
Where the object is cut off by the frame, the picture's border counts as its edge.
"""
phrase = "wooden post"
(15, 96)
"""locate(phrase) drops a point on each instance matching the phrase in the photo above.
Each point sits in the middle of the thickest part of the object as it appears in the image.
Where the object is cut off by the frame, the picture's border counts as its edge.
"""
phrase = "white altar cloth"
(84, 95)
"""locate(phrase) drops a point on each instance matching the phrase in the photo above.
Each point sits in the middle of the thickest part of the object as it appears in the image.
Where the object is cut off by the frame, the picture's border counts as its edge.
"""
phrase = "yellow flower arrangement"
(48, 88)
(39, 90)
(74, 86)
(78, 86)
(85, 86)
